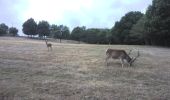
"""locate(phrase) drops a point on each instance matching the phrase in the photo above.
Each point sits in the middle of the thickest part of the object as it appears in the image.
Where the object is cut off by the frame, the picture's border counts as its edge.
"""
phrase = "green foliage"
(137, 33)
(121, 30)
(55, 31)
(157, 23)
(133, 28)
(103, 36)
(29, 27)
(43, 29)
(77, 33)
(65, 33)
(60, 32)
(92, 35)
(13, 31)
(3, 29)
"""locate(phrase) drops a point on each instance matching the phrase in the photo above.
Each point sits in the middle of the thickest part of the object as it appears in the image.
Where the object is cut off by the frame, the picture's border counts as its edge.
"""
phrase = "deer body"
(119, 54)
(49, 45)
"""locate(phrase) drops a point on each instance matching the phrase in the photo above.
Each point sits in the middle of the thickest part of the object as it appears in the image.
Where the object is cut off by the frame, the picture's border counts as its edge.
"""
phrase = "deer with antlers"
(49, 45)
(120, 54)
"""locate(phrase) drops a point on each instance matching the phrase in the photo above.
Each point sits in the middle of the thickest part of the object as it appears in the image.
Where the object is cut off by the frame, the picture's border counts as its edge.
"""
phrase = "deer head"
(133, 59)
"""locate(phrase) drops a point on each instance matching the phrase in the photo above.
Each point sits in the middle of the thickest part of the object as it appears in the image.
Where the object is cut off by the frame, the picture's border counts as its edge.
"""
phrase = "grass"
(78, 72)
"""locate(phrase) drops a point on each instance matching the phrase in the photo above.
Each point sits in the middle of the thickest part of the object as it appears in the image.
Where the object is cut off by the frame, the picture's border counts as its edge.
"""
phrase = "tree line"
(134, 28)
(8, 31)
(156, 28)
(151, 28)
(44, 29)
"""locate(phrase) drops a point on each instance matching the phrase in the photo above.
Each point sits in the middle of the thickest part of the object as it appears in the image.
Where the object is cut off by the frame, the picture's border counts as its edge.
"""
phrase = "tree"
(91, 35)
(77, 33)
(137, 33)
(59, 32)
(65, 32)
(121, 30)
(29, 27)
(157, 23)
(43, 29)
(103, 37)
(3, 29)
(54, 31)
(13, 31)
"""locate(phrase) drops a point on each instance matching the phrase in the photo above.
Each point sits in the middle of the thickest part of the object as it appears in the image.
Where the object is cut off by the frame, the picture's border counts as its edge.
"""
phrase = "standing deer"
(120, 54)
(49, 45)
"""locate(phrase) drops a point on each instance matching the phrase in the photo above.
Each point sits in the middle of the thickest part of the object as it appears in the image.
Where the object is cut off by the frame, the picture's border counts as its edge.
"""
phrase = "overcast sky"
(72, 13)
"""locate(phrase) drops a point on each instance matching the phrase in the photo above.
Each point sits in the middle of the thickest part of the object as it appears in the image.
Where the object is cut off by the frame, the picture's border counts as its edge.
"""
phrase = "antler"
(133, 60)
(129, 52)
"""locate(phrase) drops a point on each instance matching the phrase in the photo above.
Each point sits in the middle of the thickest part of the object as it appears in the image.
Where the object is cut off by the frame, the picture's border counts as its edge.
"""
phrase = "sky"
(72, 13)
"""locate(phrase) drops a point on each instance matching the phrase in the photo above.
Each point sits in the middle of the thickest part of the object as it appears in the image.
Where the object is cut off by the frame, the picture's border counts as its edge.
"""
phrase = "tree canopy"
(151, 28)
(77, 33)
(121, 30)
(59, 32)
(91, 35)
(3, 29)
(157, 23)
(30, 27)
(13, 31)
(43, 28)
(65, 32)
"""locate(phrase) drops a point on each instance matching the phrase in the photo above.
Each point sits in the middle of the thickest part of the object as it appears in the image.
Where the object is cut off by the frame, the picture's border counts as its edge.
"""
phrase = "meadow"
(28, 71)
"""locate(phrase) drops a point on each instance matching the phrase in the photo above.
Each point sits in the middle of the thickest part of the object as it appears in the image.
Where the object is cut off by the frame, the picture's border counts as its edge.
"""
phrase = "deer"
(49, 45)
(120, 54)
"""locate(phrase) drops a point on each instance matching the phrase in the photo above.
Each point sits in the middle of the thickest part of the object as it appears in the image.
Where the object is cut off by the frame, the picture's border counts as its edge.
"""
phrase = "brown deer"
(120, 54)
(49, 45)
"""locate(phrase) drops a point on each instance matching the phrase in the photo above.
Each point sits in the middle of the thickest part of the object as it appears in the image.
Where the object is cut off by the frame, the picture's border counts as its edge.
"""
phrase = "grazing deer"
(49, 45)
(120, 54)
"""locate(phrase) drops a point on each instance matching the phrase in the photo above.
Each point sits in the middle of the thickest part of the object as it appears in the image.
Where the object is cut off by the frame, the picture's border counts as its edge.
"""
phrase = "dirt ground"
(28, 71)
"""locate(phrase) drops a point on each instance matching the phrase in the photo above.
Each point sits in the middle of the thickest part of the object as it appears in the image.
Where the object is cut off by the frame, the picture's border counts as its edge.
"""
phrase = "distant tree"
(3, 29)
(59, 32)
(13, 31)
(54, 31)
(77, 33)
(103, 37)
(96, 36)
(157, 23)
(65, 32)
(121, 30)
(43, 29)
(91, 35)
(29, 27)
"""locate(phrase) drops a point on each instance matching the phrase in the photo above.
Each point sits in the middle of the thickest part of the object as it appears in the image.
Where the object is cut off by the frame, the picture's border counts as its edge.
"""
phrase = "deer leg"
(51, 48)
(106, 60)
(122, 62)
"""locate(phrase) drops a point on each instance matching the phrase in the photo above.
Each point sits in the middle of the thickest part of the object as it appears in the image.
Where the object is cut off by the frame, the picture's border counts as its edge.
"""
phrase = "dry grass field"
(78, 72)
